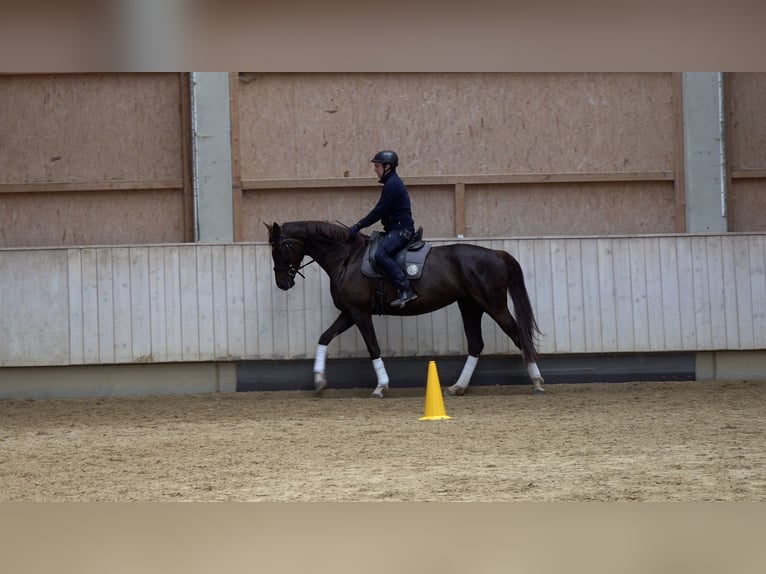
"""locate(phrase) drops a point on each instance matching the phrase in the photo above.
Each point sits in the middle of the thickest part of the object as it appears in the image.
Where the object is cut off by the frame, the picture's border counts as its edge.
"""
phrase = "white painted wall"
(198, 303)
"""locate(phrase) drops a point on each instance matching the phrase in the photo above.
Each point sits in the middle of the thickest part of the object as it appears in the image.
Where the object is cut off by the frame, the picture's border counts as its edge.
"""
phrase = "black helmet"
(386, 156)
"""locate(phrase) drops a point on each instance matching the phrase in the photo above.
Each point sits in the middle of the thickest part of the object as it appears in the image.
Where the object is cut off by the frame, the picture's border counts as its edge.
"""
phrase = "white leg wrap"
(534, 372)
(319, 361)
(380, 371)
(468, 368)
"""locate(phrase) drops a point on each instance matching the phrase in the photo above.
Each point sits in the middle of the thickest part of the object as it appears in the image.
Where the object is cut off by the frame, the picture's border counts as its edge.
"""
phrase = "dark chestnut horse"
(479, 279)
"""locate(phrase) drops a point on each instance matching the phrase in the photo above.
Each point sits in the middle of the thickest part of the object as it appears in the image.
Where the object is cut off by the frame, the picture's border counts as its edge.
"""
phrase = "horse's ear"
(273, 230)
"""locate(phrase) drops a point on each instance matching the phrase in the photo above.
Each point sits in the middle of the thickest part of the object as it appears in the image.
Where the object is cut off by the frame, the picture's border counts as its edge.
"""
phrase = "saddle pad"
(411, 262)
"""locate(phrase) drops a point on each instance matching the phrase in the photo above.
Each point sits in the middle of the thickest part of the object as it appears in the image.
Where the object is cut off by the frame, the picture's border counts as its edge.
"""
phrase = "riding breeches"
(390, 245)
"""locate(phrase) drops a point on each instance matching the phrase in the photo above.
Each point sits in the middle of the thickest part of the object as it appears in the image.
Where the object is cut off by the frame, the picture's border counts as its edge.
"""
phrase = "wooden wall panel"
(747, 205)
(569, 209)
(747, 100)
(90, 127)
(93, 159)
(330, 125)
(91, 218)
(746, 151)
(139, 304)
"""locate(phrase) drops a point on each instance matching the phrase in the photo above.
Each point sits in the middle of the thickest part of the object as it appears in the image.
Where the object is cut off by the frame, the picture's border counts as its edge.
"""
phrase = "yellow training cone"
(434, 400)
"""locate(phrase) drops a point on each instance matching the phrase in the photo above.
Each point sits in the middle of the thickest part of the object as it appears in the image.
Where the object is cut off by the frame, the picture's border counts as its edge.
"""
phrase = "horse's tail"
(525, 317)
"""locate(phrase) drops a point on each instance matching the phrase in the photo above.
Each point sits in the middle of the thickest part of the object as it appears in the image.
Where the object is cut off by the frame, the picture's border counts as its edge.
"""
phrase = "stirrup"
(404, 298)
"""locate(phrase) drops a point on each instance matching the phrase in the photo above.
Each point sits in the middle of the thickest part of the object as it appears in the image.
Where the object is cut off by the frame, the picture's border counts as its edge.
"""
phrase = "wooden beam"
(452, 180)
(748, 174)
(186, 157)
(460, 210)
(74, 186)
(236, 164)
(678, 156)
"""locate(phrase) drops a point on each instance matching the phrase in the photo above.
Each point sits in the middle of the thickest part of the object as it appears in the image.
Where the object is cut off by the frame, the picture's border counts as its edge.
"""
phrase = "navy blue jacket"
(393, 209)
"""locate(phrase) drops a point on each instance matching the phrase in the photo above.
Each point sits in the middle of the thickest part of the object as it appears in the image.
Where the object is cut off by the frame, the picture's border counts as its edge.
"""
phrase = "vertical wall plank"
(671, 296)
(270, 334)
(205, 302)
(220, 314)
(623, 295)
(187, 260)
(638, 295)
(716, 296)
(123, 338)
(607, 294)
(105, 307)
(684, 268)
(560, 294)
(656, 331)
(702, 318)
(235, 301)
(173, 326)
(731, 298)
(140, 304)
(157, 314)
(249, 281)
(758, 289)
(75, 288)
(440, 344)
(590, 294)
(744, 291)
(544, 289)
(90, 306)
(575, 297)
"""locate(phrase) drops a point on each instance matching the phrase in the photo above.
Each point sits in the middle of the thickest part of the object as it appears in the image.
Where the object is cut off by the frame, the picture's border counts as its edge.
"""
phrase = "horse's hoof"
(378, 393)
(455, 391)
(539, 392)
(320, 384)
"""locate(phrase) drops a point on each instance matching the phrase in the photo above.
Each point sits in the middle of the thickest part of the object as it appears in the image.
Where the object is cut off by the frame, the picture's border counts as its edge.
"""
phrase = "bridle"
(291, 268)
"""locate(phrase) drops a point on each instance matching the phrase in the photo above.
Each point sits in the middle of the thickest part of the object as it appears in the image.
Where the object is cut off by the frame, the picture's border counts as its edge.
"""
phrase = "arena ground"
(647, 441)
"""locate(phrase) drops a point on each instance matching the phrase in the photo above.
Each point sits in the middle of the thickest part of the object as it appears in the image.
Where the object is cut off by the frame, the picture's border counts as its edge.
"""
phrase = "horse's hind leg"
(508, 325)
(472, 314)
(342, 323)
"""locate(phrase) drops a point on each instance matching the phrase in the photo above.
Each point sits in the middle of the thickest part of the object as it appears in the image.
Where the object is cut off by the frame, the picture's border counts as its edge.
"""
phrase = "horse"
(477, 278)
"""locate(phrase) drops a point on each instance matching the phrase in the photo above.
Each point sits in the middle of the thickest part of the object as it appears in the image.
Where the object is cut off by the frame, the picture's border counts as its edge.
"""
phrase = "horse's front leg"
(342, 323)
(364, 323)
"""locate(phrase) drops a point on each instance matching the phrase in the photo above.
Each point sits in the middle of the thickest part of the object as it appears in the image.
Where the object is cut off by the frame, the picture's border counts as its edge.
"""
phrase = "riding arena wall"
(103, 289)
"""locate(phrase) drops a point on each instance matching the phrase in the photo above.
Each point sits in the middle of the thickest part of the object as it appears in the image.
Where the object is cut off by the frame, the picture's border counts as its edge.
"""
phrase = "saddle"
(411, 258)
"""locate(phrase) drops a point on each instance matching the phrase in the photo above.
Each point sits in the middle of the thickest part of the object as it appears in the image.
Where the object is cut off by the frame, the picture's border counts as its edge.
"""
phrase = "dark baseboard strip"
(491, 370)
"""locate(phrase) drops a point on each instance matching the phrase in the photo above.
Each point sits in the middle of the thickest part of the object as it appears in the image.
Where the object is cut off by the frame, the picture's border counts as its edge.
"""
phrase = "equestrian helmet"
(386, 157)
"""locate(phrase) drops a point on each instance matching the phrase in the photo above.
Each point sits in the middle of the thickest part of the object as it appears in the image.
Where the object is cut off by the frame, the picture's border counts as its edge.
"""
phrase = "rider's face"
(378, 169)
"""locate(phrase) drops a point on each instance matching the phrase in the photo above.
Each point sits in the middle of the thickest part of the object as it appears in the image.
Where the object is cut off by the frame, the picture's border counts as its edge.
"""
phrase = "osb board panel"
(433, 208)
(330, 125)
(570, 209)
(91, 218)
(747, 205)
(747, 147)
(90, 127)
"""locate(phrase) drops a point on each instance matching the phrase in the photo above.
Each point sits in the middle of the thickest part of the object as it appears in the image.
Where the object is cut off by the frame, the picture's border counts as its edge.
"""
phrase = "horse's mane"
(315, 229)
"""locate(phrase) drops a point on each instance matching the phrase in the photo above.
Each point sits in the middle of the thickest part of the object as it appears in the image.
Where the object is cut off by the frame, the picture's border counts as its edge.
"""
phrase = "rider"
(394, 211)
